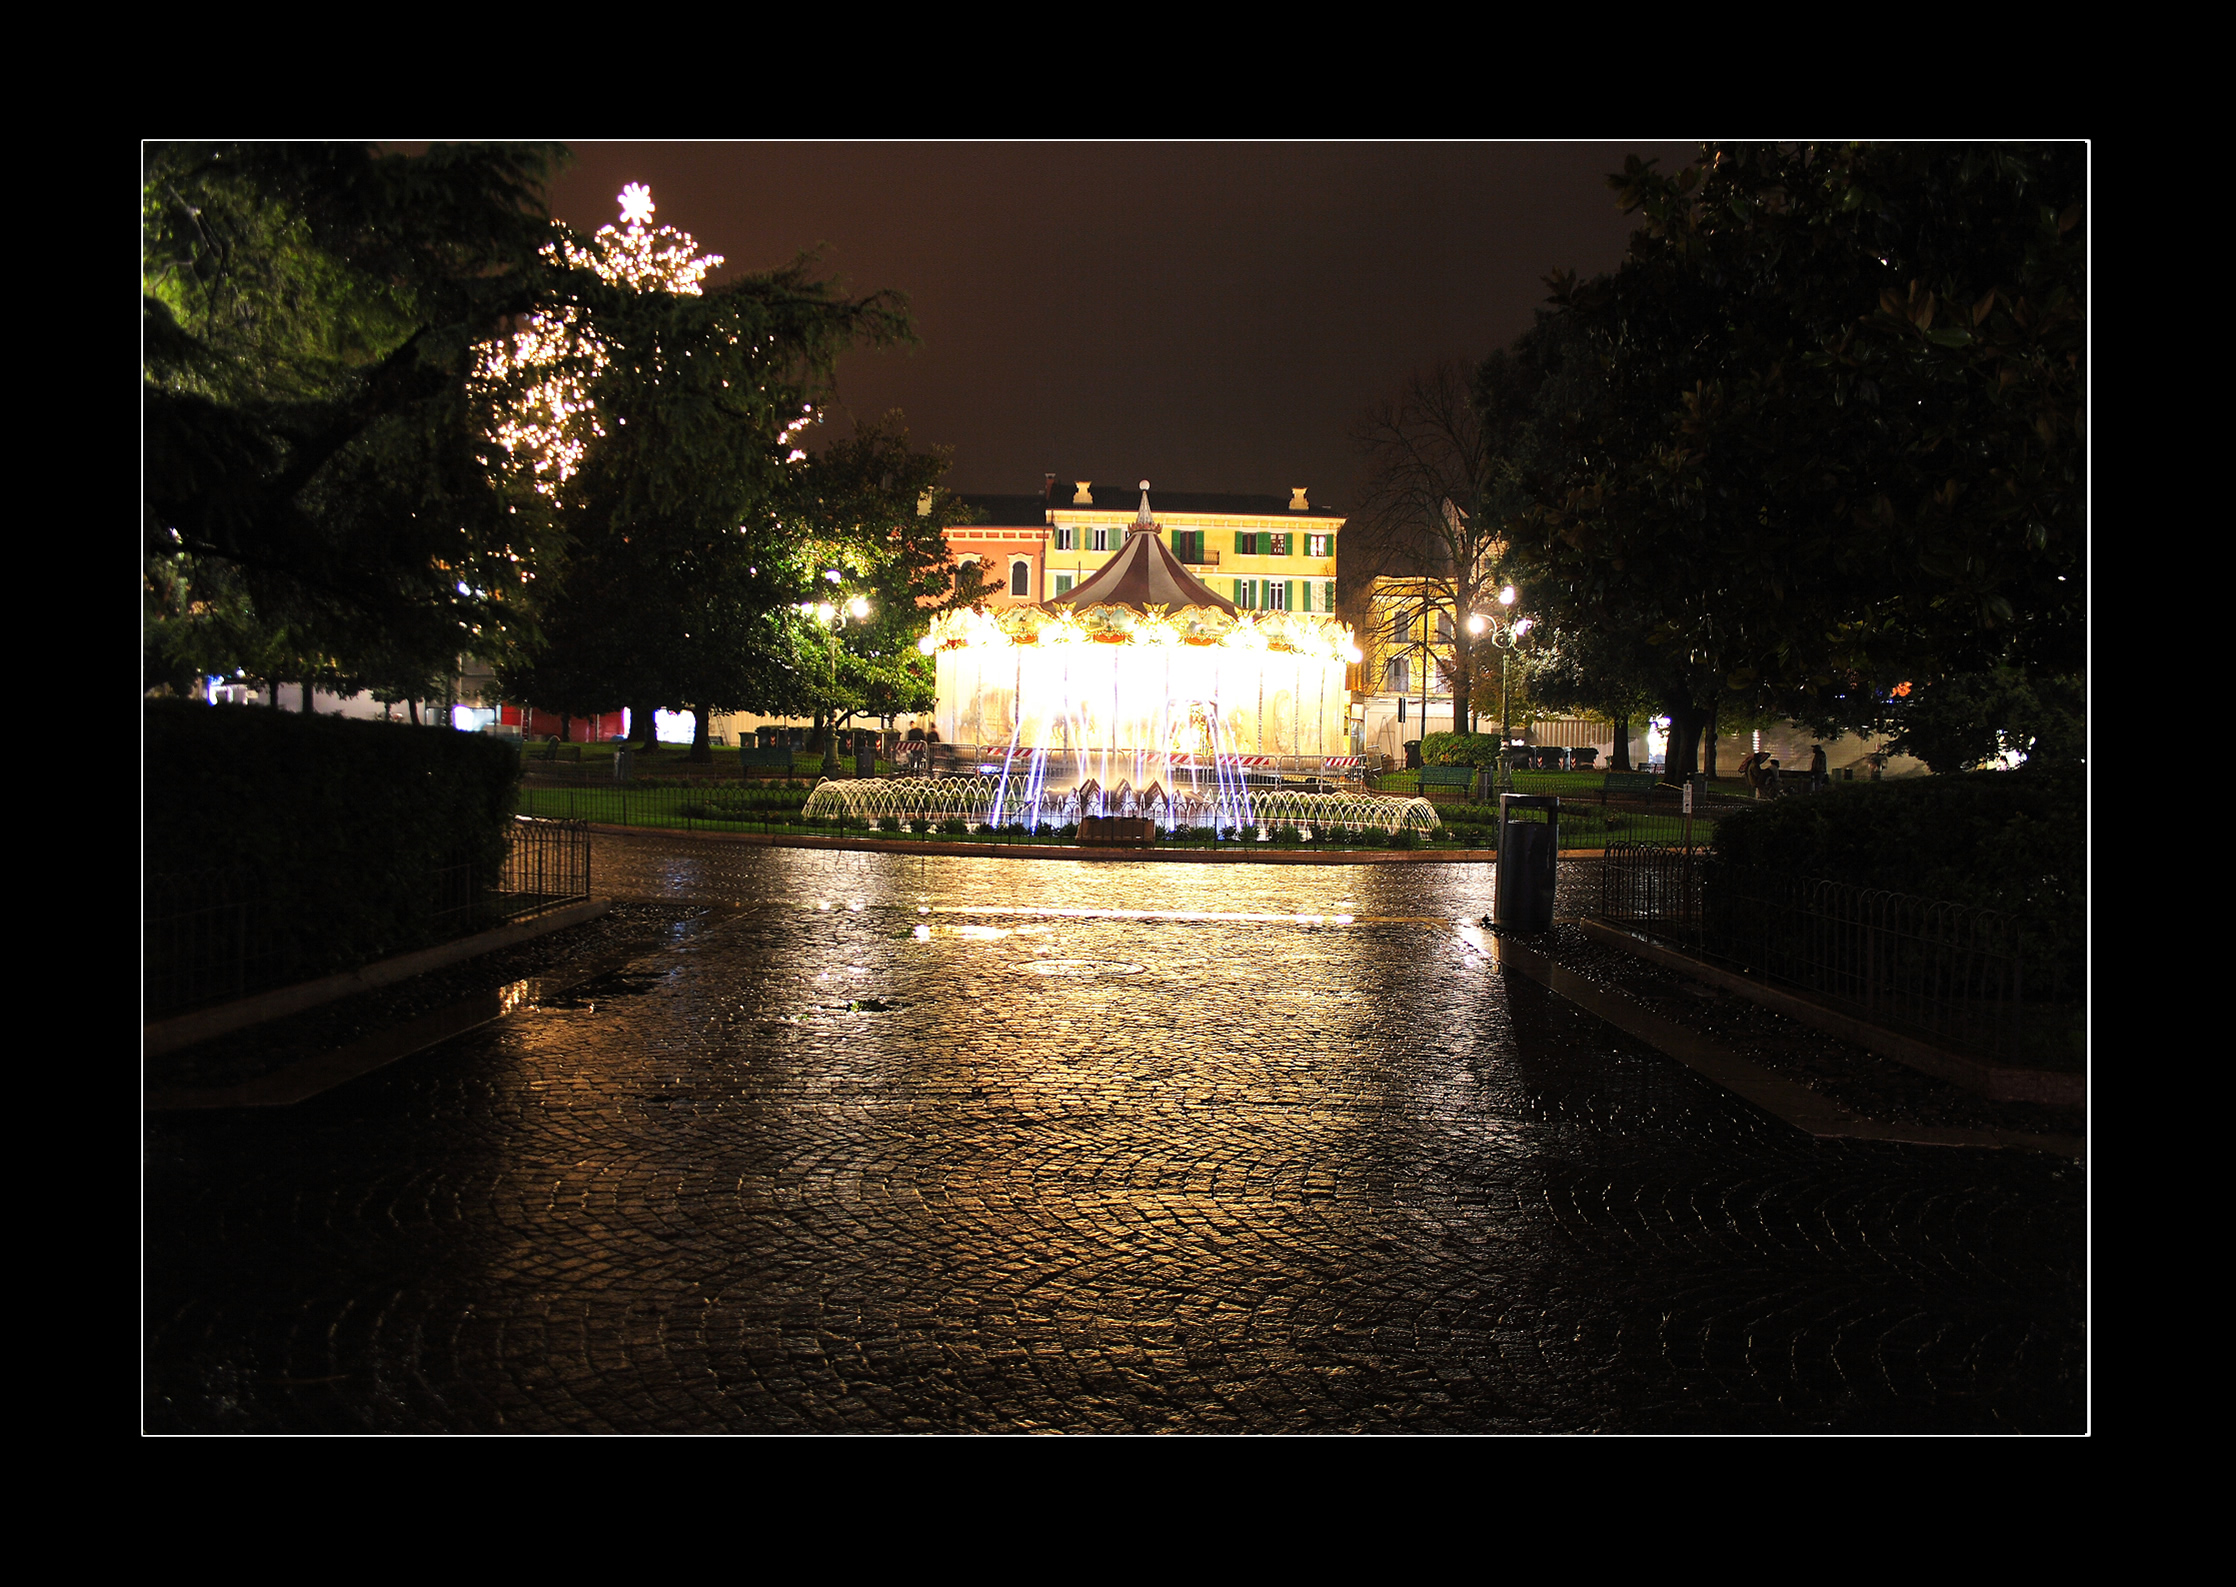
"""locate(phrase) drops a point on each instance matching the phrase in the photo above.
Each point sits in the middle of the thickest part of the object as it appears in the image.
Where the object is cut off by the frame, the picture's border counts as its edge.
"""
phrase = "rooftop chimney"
(1297, 503)
(1082, 496)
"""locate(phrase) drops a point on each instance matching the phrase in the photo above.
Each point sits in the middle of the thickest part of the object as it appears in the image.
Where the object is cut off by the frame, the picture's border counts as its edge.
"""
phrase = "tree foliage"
(314, 502)
(1821, 431)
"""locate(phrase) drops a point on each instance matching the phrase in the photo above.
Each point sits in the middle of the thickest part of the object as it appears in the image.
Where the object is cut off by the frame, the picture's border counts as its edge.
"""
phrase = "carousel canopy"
(1143, 574)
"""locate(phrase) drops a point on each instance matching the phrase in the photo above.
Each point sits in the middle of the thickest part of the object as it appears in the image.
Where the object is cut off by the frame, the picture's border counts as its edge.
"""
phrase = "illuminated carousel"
(1140, 693)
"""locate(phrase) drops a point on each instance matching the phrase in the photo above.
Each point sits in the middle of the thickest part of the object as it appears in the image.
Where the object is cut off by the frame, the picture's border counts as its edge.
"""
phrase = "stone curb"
(1788, 1101)
(184, 1030)
(1997, 1082)
(1050, 851)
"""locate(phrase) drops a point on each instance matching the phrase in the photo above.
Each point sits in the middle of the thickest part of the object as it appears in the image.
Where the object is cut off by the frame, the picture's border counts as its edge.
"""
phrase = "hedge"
(2014, 841)
(1460, 749)
(339, 825)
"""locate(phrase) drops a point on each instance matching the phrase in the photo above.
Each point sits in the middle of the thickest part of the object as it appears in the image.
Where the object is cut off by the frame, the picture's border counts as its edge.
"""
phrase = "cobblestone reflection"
(914, 1142)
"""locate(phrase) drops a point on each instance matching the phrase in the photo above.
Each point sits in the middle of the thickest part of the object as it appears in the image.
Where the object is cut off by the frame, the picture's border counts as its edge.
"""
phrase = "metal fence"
(1948, 971)
(547, 866)
(210, 935)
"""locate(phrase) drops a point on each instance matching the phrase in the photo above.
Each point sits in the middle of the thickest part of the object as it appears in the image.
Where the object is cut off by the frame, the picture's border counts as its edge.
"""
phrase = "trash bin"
(1412, 754)
(624, 764)
(1526, 851)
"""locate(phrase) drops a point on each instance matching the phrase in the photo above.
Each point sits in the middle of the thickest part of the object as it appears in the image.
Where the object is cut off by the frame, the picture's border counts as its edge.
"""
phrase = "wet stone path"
(930, 1144)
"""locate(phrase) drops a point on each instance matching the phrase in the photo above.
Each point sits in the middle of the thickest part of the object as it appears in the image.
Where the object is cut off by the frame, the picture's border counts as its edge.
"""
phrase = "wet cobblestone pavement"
(957, 1144)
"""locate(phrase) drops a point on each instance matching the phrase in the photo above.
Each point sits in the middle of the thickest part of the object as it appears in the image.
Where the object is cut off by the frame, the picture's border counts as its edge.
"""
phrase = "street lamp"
(833, 617)
(1505, 634)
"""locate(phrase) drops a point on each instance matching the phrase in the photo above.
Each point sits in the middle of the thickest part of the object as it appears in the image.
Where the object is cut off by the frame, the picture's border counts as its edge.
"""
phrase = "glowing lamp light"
(1521, 628)
(858, 607)
(927, 645)
(1506, 596)
(1477, 623)
(826, 611)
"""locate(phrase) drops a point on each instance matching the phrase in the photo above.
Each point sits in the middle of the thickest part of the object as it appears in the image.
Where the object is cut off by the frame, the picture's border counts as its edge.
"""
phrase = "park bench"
(1447, 782)
(752, 758)
(1628, 782)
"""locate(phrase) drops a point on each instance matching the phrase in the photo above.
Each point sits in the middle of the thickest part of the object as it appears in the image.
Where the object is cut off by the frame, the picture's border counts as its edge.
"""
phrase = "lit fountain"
(1140, 693)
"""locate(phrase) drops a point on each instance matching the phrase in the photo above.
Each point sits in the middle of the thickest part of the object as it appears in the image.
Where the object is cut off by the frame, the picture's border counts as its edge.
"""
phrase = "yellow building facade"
(1263, 553)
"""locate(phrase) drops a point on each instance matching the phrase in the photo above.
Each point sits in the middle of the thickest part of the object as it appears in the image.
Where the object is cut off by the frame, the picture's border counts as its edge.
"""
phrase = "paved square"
(927, 1143)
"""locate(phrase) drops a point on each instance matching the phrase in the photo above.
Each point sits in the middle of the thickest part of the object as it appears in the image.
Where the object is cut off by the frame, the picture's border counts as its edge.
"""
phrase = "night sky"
(1212, 317)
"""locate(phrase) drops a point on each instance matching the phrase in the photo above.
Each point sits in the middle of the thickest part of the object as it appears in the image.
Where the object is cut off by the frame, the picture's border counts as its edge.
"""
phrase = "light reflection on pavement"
(927, 1143)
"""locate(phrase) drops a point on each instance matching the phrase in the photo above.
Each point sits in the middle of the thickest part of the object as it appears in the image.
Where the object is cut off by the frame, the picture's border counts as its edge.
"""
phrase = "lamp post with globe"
(1505, 633)
(833, 616)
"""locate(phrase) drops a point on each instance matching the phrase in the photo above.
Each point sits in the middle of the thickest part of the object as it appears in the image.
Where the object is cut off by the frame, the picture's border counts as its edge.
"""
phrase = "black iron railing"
(547, 867)
(1947, 971)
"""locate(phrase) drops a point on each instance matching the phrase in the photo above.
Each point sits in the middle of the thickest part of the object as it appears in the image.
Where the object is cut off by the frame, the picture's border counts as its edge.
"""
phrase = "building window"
(1279, 546)
(1102, 539)
(1444, 627)
(1067, 538)
(1395, 676)
(1401, 627)
(1248, 544)
(1020, 578)
(1317, 545)
(1063, 584)
(1187, 545)
(1277, 595)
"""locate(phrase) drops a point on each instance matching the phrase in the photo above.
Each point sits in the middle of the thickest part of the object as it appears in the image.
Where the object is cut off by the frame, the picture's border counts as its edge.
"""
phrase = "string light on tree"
(538, 380)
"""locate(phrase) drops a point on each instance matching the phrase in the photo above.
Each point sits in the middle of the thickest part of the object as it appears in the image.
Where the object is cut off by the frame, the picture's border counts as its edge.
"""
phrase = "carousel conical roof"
(1143, 574)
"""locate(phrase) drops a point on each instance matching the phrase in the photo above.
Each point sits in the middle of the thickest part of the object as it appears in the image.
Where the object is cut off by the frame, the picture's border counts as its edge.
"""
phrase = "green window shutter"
(1241, 544)
(1289, 594)
(1241, 592)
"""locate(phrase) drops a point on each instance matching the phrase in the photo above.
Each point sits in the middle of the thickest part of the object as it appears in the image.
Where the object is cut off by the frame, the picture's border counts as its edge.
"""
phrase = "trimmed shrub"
(342, 825)
(1403, 838)
(954, 826)
(1459, 749)
(2014, 841)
